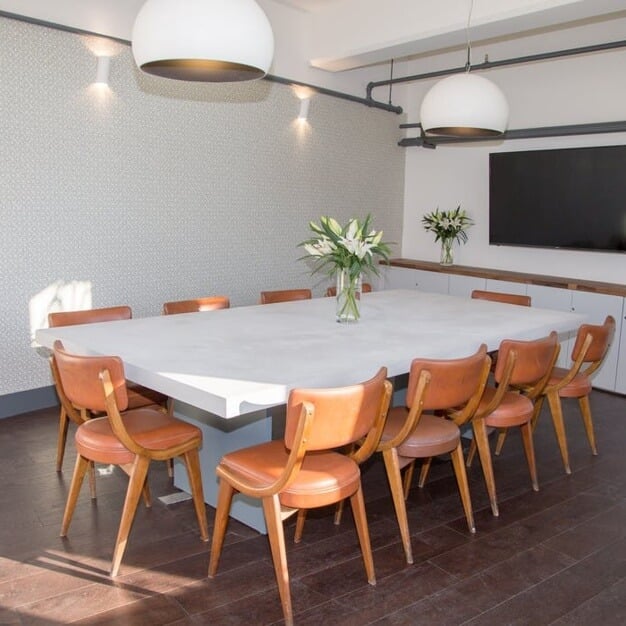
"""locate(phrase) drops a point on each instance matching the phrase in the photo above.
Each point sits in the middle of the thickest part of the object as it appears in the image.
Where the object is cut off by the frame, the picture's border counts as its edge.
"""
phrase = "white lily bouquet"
(346, 252)
(448, 226)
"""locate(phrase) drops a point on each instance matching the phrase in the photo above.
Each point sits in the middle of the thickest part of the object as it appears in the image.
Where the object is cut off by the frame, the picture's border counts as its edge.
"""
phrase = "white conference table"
(228, 368)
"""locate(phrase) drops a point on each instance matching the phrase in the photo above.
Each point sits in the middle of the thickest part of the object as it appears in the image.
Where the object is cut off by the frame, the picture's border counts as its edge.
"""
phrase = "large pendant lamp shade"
(203, 40)
(464, 105)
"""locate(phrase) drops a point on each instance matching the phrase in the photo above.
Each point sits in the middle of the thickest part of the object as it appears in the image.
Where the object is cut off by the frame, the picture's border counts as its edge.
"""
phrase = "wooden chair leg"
(458, 462)
(133, 493)
(80, 469)
(300, 520)
(536, 412)
(274, 522)
(145, 492)
(170, 467)
(501, 439)
(62, 438)
(360, 520)
(92, 480)
(471, 453)
(482, 443)
(338, 513)
(192, 463)
(585, 409)
(392, 466)
(408, 478)
(424, 472)
(222, 512)
(559, 428)
(529, 449)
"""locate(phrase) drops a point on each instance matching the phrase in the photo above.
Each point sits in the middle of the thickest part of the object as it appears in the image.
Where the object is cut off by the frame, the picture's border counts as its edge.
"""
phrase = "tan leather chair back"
(506, 298)
(210, 303)
(533, 360)
(89, 316)
(342, 415)
(285, 295)
(602, 336)
(452, 382)
(331, 292)
(80, 377)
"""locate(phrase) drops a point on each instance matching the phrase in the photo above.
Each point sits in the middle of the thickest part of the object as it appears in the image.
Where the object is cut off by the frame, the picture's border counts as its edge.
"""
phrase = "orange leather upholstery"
(285, 295)
(454, 385)
(305, 470)
(89, 316)
(210, 303)
(130, 440)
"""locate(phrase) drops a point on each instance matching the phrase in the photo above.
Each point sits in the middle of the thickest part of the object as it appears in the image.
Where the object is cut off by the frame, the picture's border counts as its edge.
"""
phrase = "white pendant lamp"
(203, 40)
(465, 104)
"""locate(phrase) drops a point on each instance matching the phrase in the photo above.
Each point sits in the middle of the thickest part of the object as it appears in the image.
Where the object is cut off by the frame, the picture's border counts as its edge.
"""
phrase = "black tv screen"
(572, 198)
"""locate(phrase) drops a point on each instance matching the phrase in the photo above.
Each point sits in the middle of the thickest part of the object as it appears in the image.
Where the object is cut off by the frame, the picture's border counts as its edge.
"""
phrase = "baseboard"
(27, 401)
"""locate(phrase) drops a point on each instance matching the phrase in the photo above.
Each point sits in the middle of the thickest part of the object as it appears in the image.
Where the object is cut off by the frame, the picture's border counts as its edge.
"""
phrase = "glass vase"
(348, 301)
(446, 252)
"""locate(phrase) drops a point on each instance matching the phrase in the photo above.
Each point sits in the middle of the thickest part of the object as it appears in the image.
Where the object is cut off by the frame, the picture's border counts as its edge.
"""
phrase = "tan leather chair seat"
(579, 386)
(515, 409)
(324, 478)
(432, 436)
(150, 428)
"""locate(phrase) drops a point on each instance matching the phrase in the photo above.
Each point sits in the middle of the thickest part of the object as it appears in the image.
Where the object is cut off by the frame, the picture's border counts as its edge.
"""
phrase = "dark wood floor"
(553, 557)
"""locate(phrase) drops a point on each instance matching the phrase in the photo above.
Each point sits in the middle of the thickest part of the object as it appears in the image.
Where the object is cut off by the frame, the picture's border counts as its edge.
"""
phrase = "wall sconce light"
(102, 70)
(305, 103)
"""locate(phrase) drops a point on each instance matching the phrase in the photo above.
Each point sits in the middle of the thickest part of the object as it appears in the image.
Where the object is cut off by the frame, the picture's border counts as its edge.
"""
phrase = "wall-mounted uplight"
(305, 104)
(102, 70)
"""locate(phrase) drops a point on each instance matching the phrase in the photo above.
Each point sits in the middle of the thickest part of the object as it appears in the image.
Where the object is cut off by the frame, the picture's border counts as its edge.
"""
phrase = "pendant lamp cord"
(391, 80)
(468, 64)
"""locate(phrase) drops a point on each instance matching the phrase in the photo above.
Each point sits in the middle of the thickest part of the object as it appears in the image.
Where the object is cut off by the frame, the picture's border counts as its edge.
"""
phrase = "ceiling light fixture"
(465, 104)
(203, 40)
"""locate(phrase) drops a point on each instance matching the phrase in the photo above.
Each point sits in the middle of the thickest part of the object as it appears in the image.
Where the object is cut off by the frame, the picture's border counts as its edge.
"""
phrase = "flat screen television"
(571, 198)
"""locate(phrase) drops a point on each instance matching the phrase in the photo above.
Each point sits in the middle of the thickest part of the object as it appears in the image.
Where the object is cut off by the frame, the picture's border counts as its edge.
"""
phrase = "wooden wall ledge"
(517, 277)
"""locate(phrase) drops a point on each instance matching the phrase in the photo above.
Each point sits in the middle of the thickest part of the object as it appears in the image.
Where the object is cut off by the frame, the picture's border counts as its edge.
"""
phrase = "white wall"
(156, 190)
(574, 90)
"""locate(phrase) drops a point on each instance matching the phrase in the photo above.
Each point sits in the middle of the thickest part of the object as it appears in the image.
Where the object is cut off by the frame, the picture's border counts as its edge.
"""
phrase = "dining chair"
(138, 395)
(285, 295)
(590, 348)
(304, 470)
(209, 303)
(131, 440)
(521, 374)
(414, 432)
(360, 451)
(506, 298)
(332, 291)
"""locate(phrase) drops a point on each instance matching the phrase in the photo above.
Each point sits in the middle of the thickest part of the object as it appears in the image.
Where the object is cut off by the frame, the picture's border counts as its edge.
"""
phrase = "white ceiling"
(345, 34)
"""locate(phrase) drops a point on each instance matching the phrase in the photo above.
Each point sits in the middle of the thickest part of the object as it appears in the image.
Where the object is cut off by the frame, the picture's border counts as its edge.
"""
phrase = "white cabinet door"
(559, 300)
(620, 343)
(463, 286)
(504, 286)
(597, 306)
(406, 278)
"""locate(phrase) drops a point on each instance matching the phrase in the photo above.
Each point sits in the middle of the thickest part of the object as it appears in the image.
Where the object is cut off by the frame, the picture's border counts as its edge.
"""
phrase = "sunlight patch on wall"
(59, 296)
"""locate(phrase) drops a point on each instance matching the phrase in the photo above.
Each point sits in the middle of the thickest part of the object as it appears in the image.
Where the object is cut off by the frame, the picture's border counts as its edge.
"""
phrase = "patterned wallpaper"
(156, 190)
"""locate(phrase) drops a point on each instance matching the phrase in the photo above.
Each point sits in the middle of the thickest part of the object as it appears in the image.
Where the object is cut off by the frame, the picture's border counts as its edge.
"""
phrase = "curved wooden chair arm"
(371, 441)
(502, 387)
(413, 418)
(296, 456)
(463, 415)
